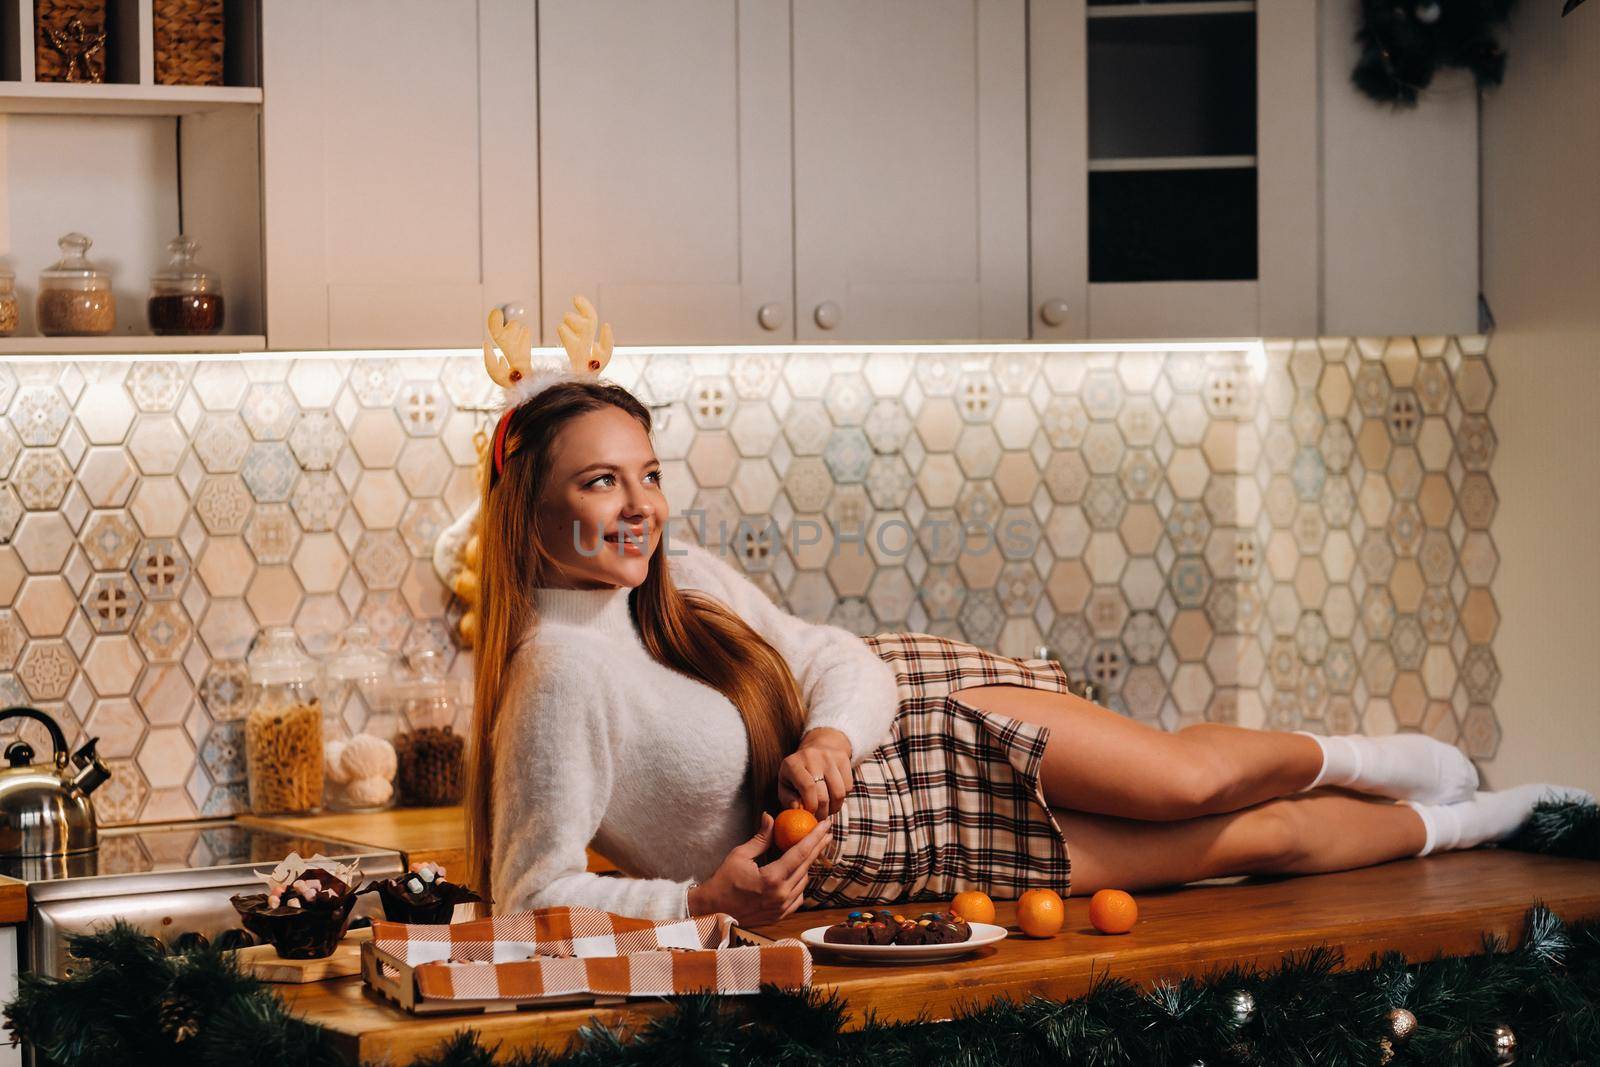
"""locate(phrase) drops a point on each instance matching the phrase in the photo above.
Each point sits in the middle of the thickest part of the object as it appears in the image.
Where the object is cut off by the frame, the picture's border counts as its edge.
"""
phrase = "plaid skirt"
(952, 800)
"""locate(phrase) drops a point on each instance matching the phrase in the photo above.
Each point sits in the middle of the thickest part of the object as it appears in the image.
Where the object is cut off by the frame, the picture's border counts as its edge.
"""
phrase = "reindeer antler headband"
(588, 345)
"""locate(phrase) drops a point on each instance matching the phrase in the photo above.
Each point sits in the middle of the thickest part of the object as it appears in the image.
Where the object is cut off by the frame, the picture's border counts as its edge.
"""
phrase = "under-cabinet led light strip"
(1254, 350)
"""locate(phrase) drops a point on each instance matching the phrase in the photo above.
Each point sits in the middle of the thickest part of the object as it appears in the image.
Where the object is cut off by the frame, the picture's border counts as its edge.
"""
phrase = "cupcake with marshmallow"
(422, 895)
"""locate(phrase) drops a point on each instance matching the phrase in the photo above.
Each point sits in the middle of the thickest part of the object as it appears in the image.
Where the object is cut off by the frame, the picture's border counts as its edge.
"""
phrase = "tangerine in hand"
(1113, 911)
(1041, 912)
(791, 827)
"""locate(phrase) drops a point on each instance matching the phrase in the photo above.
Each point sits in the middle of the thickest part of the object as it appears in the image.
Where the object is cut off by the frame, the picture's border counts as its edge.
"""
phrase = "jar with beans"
(185, 298)
(432, 756)
(283, 731)
(75, 298)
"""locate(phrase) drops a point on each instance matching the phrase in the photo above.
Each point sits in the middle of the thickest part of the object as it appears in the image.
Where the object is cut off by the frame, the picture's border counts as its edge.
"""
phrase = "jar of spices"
(9, 311)
(358, 770)
(283, 731)
(185, 298)
(75, 298)
(432, 756)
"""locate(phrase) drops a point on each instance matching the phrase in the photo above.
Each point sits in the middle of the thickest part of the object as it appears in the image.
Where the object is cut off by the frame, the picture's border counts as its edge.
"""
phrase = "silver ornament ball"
(1243, 1005)
(1402, 1024)
(1428, 12)
(1504, 1042)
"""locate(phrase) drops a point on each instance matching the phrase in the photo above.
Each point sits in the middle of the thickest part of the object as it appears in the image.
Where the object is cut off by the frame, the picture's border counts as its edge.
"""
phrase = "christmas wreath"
(1403, 44)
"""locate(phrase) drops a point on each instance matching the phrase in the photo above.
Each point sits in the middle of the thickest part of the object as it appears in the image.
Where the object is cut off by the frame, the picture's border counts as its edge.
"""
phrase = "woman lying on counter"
(636, 691)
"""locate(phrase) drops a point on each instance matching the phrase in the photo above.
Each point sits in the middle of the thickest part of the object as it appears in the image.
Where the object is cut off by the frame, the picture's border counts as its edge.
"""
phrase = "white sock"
(1402, 766)
(1488, 816)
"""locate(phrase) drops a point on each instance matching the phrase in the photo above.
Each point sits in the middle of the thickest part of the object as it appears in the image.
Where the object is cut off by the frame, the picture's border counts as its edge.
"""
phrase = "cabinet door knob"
(514, 312)
(1053, 312)
(827, 315)
(770, 316)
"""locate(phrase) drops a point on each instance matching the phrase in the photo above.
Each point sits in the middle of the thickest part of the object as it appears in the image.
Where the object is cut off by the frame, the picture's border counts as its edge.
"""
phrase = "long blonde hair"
(684, 630)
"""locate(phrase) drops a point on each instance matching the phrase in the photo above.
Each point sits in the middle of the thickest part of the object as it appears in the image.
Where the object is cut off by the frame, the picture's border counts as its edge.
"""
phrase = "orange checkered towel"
(552, 952)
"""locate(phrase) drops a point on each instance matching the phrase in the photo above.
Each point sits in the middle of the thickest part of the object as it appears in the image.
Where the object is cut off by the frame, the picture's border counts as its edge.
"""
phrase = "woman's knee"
(1197, 779)
(1207, 781)
(1275, 839)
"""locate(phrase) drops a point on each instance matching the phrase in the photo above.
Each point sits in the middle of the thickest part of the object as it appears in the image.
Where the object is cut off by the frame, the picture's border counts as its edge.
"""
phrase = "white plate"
(982, 934)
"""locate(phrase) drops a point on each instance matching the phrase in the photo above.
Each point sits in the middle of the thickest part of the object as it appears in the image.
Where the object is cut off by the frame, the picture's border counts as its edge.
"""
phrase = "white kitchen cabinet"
(1205, 168)
(400, 171)
(665, 166)
(672, 195)
(1170, 177)
(910, 170)
(1400, 199)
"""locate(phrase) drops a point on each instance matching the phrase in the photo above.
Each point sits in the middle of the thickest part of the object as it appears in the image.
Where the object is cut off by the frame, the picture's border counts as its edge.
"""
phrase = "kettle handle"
(58, 740)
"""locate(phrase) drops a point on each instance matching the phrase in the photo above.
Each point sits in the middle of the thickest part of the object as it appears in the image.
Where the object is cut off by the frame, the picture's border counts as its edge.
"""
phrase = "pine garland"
(132, 1002)
(1404, 42)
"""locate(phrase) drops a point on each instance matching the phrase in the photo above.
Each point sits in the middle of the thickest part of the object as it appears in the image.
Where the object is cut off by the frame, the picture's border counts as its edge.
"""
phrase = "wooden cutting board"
(263, 961)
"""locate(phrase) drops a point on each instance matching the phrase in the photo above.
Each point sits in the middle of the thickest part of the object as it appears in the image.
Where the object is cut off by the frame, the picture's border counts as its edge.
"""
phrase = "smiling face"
(603, 511)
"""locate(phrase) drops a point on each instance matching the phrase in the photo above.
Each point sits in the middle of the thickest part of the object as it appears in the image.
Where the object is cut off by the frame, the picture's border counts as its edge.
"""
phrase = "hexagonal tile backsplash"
(1303, 544)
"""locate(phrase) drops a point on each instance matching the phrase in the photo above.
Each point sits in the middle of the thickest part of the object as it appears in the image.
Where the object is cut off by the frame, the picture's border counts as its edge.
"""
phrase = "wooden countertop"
(437, 835)
(13, 901)
(1442, 904)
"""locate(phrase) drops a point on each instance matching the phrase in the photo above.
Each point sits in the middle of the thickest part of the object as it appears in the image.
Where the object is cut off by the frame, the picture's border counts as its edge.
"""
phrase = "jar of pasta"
(10, 312)
(432, 755)
(283, 731)
(358, 768)
(75, 298)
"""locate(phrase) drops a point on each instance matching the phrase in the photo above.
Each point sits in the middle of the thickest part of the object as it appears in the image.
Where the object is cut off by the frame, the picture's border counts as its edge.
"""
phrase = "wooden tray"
(395, 981)
(263, 961)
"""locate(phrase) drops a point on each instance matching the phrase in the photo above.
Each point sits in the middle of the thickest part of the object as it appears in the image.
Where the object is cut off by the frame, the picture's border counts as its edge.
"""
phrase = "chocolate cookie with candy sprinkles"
(932, 928)
(863, 928)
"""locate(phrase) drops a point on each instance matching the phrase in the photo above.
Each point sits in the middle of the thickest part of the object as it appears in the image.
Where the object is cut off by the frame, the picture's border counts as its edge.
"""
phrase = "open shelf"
(64, 98)
(128, 344)
(130, 48)
(1172, 225)
(1172, 146)
(131, 162)
(1176, 86)
(1173, 163)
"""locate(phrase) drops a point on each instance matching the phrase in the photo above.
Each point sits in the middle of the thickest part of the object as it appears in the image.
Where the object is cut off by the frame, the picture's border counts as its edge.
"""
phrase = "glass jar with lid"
(75, 298)
(185, 298)
(283, 731)
(358, 771)
(432, 756)
(10, 312)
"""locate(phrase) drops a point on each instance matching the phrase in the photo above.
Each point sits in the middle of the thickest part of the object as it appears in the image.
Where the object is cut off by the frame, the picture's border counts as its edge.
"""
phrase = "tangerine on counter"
(1112, 911)
(791, 827)
(1041, 912)
(974, 906)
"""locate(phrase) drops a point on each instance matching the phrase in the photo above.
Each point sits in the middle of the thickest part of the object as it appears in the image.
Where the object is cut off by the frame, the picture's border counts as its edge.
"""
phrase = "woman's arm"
(846, 686)
(553, 776)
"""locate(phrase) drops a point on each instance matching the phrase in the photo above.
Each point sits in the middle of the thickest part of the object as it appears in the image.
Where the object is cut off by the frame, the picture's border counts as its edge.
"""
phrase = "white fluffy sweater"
(601, 743)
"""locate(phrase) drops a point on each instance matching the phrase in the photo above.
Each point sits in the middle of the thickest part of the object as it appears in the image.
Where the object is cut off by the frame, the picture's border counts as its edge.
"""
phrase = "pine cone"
(179, 1019)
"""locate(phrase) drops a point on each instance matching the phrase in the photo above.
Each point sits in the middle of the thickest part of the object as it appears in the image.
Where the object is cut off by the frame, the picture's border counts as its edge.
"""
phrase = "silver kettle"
(45, 808)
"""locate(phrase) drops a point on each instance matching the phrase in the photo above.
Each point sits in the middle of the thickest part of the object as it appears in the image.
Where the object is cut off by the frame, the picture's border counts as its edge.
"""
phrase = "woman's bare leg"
(1099, 761)
(1312, 833)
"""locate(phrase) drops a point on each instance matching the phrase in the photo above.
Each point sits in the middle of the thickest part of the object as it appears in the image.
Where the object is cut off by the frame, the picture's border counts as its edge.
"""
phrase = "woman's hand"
(754, 894)
(823, 753)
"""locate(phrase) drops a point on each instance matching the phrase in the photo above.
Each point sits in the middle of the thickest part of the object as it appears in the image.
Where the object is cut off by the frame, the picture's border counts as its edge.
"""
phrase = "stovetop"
(175, 856)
